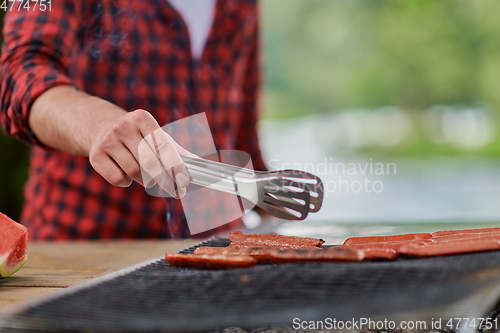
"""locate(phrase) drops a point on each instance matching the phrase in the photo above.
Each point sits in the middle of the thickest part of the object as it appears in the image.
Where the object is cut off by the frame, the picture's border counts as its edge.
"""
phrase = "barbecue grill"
(159, 298)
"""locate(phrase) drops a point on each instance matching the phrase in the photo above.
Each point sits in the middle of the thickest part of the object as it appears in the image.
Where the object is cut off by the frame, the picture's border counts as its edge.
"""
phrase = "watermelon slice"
(13, 246)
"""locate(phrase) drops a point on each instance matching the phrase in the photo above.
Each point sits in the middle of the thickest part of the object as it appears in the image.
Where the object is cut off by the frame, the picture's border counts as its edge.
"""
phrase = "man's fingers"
(127, 162)
(149, 162)
(109, 170)
(164, 147)
(167, 184)
(154, 170)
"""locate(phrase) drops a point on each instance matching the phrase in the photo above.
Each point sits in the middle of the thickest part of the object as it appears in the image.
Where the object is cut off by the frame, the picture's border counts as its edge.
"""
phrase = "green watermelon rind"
(5, 270)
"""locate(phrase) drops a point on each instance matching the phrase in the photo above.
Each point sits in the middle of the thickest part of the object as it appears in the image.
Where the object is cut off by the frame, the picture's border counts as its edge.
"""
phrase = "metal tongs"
(286, 194)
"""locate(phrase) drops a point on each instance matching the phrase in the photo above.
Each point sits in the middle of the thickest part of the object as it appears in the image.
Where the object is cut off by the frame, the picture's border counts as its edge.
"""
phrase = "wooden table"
(56, 265)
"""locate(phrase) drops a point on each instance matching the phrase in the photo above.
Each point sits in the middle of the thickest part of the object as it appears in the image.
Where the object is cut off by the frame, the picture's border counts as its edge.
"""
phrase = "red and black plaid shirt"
(135, 54)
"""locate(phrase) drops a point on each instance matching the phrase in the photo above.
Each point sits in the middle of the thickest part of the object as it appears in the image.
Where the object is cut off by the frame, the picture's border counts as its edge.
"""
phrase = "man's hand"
(117, 142)
(134, 140)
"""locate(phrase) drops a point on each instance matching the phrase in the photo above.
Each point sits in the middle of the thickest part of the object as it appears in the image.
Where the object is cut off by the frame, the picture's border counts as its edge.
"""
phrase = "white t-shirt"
(199, 16)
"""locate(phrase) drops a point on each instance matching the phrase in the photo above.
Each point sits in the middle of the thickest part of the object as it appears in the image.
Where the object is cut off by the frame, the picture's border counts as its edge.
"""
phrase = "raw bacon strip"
(379, 250)
(389, 254)
(378, 253)
(331, 254)
(260, 254)
(209, 261)
(282, 255)
(452, 247)
(238, 247)
(464, 237)
(466, 231)
(383, 239)
(387, 245)
(262, 240)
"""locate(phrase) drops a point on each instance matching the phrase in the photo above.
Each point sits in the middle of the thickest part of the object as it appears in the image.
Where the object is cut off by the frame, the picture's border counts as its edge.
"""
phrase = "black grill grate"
(158, 297)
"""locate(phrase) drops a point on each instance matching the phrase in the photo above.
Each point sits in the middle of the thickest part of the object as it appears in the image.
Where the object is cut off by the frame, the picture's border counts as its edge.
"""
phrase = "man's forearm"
(67, 119)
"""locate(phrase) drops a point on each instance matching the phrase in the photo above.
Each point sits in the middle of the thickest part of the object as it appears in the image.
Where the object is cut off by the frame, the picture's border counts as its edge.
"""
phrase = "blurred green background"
(401, 78)
(436, 62)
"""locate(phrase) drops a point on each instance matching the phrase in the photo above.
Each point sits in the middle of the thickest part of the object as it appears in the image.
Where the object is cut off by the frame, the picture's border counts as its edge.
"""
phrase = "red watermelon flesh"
(13, 246)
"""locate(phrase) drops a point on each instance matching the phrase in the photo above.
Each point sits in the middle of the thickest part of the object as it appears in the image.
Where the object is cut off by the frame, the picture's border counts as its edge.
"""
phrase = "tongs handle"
(223, 168)
(215, 175)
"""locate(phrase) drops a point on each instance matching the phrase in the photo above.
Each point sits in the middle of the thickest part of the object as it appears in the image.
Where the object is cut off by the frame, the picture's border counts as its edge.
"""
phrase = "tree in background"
(325, 55)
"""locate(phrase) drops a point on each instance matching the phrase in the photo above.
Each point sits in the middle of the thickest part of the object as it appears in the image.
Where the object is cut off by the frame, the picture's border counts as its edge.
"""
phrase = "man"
(69, 76)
